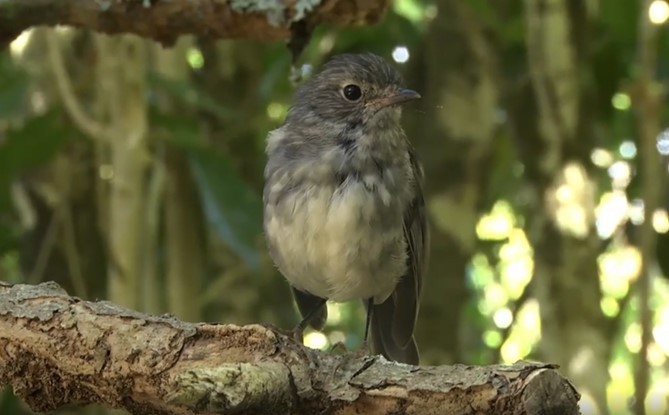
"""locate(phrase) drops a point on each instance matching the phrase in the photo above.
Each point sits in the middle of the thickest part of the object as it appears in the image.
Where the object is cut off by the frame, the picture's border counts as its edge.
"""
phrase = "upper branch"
(165, 20)
(57, 350)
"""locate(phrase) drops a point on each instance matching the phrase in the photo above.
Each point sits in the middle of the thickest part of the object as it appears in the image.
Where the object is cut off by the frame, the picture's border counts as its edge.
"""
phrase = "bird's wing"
(393, 320)
(408, 290)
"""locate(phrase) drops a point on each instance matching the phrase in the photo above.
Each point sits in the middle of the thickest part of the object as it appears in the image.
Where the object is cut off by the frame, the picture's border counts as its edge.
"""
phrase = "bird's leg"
(298, 331)
(364, 347)
(368, 322)
(364, 350)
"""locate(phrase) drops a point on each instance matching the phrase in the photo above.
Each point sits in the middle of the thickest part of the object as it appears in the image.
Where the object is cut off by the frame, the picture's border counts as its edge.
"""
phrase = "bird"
(343, 209)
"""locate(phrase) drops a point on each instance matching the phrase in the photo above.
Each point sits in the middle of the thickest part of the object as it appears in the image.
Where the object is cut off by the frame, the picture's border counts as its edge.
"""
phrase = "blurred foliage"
(55, 180)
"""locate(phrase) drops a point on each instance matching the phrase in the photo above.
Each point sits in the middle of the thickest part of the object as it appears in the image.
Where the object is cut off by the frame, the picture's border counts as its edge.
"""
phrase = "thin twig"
(44, 253)
(72, 253)
(152, 295)
(85, 123)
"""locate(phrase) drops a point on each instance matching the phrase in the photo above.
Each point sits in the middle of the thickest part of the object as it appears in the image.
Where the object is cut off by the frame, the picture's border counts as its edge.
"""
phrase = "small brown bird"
(344, 215)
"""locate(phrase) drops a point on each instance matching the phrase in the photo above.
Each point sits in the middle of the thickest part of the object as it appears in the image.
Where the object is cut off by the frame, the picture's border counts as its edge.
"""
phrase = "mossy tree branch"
(56, 350)
(164, 21)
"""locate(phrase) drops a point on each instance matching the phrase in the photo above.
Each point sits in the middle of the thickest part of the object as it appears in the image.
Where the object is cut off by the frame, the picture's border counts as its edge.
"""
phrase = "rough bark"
(164, 21)
(58, 350)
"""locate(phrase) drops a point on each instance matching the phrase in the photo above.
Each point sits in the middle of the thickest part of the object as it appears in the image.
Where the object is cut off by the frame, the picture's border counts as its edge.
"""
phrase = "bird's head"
(358, 89)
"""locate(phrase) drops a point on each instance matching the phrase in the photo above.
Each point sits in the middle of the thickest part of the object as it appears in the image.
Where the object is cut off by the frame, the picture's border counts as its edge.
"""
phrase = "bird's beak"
(400, 97)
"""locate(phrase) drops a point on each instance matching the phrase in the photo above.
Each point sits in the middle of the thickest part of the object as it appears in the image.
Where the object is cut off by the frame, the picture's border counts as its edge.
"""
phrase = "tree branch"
(164, 21)
(647, 97)
(86, 124)
(57, 350)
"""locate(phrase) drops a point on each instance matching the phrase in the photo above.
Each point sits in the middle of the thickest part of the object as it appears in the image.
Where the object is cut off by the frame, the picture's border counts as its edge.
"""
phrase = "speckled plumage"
(344, 213)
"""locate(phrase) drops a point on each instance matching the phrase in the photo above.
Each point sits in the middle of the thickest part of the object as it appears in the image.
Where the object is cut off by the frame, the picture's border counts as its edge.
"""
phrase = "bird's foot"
(353, 359)
(340, 348)
(363, 351)
(298, 335)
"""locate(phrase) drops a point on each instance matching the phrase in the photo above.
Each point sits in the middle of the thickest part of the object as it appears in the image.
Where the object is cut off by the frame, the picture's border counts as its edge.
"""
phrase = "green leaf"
(23, 148)
(32, 144)
(181, 131)
(618, 19)
(231, 206)
(9, 404)
(13, 87)
(8, 241)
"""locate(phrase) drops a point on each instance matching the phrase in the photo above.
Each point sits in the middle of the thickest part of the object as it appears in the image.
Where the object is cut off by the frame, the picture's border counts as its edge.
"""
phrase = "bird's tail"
(384, 338)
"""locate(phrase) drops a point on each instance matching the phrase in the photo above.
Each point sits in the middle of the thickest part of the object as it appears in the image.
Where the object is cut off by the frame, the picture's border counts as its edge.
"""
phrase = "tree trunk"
(460, 104)
(554, 133)
(122, 94)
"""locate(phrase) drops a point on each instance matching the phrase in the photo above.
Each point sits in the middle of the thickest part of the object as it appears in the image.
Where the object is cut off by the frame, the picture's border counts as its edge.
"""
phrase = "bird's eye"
(352, 92)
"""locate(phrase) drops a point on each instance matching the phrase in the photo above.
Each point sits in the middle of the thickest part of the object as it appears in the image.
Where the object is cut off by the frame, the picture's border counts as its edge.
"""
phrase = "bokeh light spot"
(195, 58)
(658, 12)
(663, 142)
(621, 101)
(492, 339)
(601, 157)
(627, 149)
(401, 54)
(503, 318)
(316, 340)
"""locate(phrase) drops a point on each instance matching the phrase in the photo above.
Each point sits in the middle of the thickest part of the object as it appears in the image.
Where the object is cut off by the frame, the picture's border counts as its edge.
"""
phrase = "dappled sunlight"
(632, 337)
(609, 306)
(524, 335)
(413, 10)
(195, 58)
(620, 173)
(401, 54)
(663, 142)
(660, 221)
(498, 224)
(334, 312)
(601, 157)
(656, 401)
(494, 297)
(627, 149)
(570, 202)
(516, 263)
(277, 111)
(337, 337)
(611, 212)
(621, 101)
(618, 267)
(656, 355)
(621, 385)
(658, 12)
(18, 46)
(588, 405)
(316, 340)
(661, 329)
(503, 318)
